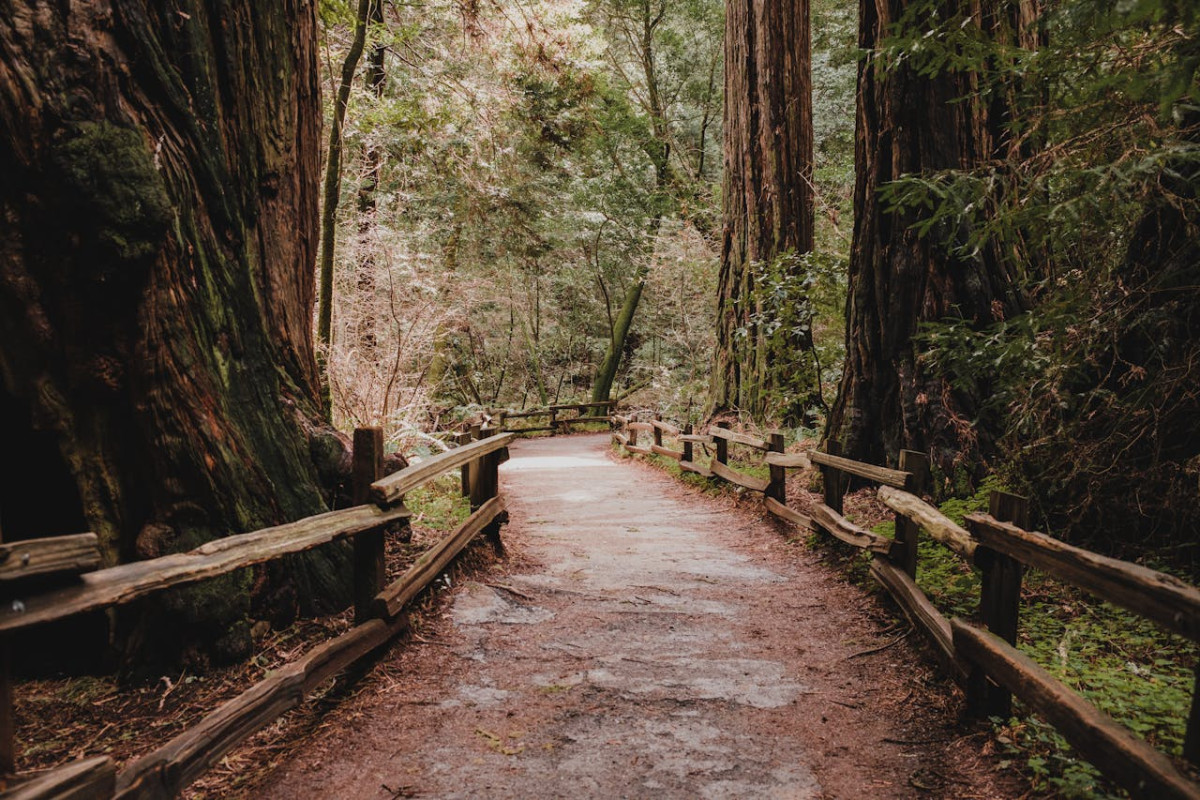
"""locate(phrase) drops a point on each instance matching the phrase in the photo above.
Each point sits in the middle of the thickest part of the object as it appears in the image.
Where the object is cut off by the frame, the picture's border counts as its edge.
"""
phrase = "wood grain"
(790, 514)
(888, 477)
(394, 486)
(1163, 598)
(920, 611)
(116, 585)
(934, 522)
(741, 479)
(54, 555)
(666, 452)
(839, 527)
(86, 779)
(695, 469)
(738, 438)
(793, 460)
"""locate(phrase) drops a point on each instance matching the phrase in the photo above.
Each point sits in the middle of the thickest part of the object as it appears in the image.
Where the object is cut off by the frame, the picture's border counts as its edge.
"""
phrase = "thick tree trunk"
(768, 199)
(156, 243)
(910, 124)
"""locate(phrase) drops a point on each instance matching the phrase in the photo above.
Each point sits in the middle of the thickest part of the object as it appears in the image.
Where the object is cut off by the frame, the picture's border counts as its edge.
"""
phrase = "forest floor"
(640, 639)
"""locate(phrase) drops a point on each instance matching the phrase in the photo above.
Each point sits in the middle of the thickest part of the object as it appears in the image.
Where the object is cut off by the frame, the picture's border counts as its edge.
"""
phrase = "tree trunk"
(375, 79)
(332, 187)
(910, 124)
(768, 199)
(607, 374)
(156, 243)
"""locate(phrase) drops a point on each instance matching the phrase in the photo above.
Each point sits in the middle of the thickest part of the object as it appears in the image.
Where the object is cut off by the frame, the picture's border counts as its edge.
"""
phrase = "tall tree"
(768, 209)
(156, 249)
(915, 120)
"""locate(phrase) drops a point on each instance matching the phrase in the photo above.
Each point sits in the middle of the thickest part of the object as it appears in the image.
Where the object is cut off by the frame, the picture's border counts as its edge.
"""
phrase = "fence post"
(501, 417)
(832, 481)
(485, 484)
(369, 565)
(777, 488)
(722, 445)
(553, 422)
(632, 431)
(658, 431)
(908, 533)
(465, 471)
(999, 605)
(687, 446)
(1191, 741)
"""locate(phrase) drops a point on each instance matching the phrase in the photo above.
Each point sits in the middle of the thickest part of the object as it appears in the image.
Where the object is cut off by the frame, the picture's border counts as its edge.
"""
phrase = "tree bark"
(156, 243)
(910, 124)
(768, 208)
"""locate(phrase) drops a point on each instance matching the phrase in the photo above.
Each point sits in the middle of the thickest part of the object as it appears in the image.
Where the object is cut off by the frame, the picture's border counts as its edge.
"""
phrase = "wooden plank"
(666, 452)
(108, 587)
(740, 478)
(934, 522)
(1114, 750)
(54, 555)
(647, 427)
(888, 477)
(920, 611)
(620, 439)
(620, 420)
(645, 451)
(172, 767)
(538, 429)
(398, 484)
(525, 414)
(738, 438)
(666, 427)
(696, 438)
(790, 514)
(85, 779)
(1163, 598)
(694, 468)
(391, 601)
(793, 460)
(839, 527)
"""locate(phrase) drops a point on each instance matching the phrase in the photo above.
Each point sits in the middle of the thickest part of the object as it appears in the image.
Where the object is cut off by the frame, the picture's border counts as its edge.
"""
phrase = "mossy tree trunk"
(156, 248)
(763, 337)
(913, 124)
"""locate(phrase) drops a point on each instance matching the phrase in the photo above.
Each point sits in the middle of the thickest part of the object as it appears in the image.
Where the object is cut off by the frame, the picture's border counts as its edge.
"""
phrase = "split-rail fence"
(73, 562)
(982, 658)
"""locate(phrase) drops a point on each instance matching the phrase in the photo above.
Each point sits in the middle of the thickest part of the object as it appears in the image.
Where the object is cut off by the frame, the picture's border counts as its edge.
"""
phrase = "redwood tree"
(768, 206)
(157, 239)
(916, 122)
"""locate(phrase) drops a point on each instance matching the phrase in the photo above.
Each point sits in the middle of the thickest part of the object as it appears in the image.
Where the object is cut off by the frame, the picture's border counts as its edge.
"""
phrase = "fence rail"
(984, 660)
(599, 411)
(380, 611)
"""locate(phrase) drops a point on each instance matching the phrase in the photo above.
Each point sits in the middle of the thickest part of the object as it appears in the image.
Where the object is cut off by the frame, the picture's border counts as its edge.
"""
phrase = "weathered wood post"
(658, 440)
(687, 445)
(485, 484)
(908, 533)
(370, 571)
(465, 470)
(777, 488)
(722, 445)
(999, 605)
(632, 431)
(553, 421)
(1191, 742)
(833, 483)
(501, 418)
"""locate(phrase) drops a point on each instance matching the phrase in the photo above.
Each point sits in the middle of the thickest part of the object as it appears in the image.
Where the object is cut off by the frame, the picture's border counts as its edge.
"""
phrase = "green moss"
(109, 177)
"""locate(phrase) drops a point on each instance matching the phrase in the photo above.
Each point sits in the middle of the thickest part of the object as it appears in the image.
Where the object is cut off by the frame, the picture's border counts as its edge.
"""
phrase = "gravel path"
(646, 641)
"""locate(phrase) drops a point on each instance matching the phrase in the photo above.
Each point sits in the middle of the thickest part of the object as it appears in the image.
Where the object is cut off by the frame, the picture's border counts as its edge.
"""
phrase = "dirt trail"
(652, 643)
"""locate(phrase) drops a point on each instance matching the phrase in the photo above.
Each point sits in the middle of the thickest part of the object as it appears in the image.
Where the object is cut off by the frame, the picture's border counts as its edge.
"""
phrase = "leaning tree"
(763, 315)
(157, 239)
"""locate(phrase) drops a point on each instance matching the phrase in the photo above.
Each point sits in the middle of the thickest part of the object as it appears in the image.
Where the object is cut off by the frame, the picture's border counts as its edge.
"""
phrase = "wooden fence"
(379, 610)
(983, 659)
(558, 418)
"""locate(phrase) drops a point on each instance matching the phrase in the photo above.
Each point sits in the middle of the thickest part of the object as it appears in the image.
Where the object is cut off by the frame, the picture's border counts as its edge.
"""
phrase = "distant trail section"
(646, 641)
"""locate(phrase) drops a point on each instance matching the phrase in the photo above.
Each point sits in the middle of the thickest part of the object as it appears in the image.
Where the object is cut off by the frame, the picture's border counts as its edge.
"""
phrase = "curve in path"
(650, 643)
